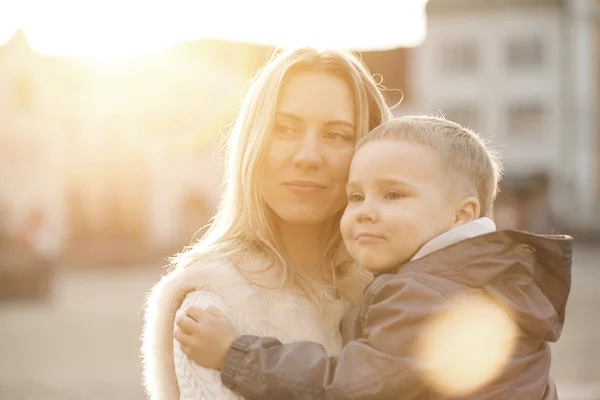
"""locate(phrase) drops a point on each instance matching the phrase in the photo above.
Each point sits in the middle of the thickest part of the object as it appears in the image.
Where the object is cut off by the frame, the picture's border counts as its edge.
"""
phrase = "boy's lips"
(367, 237)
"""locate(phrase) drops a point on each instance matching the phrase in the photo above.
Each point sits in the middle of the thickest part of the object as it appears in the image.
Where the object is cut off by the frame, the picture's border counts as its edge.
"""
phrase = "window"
(462, 58)
(466, 115)
(526, 119)
(525, 53)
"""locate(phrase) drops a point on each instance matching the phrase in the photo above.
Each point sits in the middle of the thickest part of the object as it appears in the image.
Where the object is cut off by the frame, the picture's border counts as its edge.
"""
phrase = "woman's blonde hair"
(242, 223)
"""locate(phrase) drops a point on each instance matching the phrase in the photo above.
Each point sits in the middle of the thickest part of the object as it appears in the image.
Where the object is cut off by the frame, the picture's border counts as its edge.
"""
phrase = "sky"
(124, 29)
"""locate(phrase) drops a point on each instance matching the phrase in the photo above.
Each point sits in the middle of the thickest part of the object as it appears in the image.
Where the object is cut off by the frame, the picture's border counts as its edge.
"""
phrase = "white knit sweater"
(170, 375)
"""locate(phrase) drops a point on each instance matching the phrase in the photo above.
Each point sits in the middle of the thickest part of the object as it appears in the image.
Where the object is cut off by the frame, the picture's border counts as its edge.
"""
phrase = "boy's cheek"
(369, 260)
(348, 237)
(347, 225)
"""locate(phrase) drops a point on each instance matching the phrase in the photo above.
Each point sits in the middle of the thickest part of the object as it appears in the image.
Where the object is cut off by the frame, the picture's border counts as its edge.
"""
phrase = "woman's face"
(305, 169)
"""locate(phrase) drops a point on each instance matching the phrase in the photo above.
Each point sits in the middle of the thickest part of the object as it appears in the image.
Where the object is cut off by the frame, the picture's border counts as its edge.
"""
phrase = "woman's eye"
(393, 196)
(284, 130)
(355, 198)
(336, 135)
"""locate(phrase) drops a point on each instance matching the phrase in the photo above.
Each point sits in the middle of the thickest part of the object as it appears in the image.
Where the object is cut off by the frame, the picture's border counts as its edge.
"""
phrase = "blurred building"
(524, 73)
(33, 155)
(120, 155)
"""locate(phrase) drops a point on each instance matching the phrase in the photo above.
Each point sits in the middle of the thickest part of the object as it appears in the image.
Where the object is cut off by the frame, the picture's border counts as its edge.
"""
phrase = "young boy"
(420, 199)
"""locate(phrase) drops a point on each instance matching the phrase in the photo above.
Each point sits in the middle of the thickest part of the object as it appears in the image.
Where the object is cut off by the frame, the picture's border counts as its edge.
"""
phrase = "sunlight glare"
(109, 31)
(116, 30)
(467, 347)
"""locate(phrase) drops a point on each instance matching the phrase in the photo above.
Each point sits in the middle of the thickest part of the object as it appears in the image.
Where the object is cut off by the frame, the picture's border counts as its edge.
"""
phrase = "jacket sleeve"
(196, 382)
(379, 366)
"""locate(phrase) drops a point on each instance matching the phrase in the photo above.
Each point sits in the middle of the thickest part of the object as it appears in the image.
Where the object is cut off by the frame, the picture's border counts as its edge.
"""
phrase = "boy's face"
(398, 199)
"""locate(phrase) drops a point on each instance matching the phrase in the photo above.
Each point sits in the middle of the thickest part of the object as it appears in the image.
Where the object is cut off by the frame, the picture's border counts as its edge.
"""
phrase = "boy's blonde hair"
(463, 153)
(242, 222)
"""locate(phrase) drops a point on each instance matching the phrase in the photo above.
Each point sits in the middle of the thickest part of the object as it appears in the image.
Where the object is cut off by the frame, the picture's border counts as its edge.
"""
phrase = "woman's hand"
(205, 335)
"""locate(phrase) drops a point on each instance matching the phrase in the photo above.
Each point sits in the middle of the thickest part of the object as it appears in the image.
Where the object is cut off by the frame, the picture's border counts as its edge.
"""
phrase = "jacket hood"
(527, 273)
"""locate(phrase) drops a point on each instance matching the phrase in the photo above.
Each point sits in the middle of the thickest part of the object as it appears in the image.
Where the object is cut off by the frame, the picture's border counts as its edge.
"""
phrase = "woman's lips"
(300, 186)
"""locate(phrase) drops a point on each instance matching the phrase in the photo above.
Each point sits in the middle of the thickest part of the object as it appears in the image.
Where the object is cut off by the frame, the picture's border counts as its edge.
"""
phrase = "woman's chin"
(305, 216)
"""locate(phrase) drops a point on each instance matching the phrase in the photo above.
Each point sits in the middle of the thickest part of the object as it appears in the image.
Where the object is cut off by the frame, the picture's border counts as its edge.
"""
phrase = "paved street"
(84, 344)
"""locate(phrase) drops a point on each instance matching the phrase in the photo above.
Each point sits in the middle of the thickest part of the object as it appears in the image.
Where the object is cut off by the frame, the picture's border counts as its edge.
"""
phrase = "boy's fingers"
(187, 351)
(195, 312)
(214, 312)
(185, 323)
(183, 338)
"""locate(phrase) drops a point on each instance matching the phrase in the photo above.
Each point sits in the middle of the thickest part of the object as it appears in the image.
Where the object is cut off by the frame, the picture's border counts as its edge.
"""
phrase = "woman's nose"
(308, 153)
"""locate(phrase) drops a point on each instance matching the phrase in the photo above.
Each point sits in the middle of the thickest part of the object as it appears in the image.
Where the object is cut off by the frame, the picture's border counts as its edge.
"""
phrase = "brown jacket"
(527, 274)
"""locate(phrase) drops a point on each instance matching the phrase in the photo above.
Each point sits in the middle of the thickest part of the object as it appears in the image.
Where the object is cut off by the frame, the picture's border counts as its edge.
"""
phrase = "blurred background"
(111, 115)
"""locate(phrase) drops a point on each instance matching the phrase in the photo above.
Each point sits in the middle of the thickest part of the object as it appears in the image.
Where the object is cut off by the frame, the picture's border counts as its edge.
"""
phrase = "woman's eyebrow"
(341, 122)
(289, 116)
(297, 118)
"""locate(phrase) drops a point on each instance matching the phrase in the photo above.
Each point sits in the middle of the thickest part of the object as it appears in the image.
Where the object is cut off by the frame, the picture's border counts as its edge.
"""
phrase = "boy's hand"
(205, 335)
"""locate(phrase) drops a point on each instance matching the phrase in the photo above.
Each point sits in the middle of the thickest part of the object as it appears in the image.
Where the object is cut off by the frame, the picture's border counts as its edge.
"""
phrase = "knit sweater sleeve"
(196, 382)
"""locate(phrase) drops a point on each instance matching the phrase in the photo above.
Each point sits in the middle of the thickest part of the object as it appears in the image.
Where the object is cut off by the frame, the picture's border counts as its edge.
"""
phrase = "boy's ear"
(468, 210)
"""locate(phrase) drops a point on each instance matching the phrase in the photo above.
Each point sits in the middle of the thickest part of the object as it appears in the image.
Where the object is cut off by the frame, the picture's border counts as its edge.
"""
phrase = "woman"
(273, 260)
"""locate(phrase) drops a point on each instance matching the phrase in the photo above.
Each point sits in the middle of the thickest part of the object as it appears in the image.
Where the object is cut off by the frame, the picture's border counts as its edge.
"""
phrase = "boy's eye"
(355, 198)
(393, 196)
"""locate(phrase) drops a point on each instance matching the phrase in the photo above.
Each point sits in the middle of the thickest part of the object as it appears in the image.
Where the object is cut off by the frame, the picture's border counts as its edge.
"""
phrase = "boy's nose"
(366, 213)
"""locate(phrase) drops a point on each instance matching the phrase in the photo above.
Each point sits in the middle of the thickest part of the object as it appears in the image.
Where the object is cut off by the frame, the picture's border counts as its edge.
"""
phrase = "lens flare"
(466, 347)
